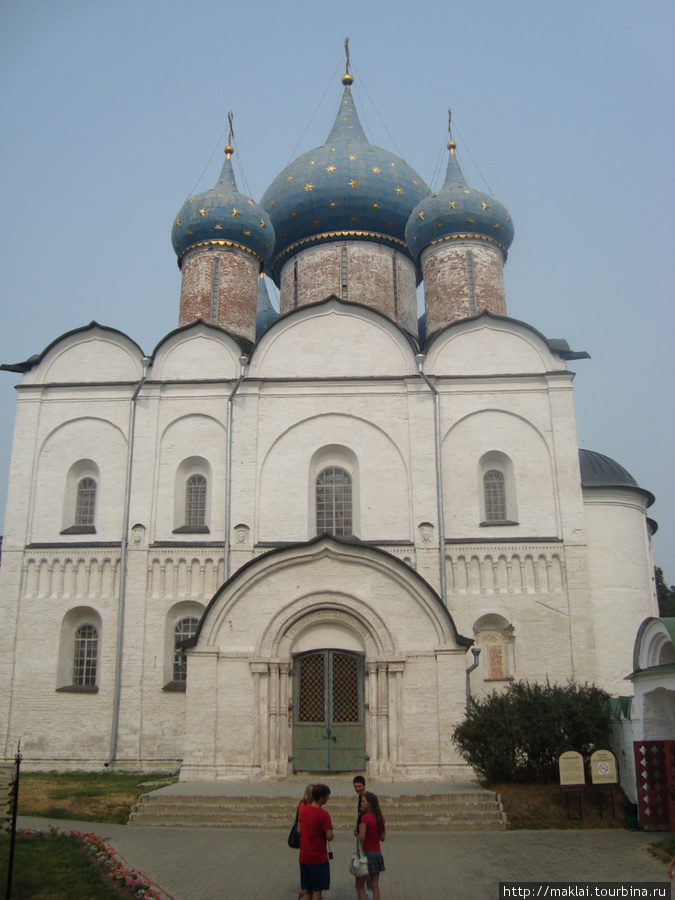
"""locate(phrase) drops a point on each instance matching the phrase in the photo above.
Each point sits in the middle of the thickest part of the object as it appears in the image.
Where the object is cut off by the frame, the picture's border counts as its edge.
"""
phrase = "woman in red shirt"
(371, 832)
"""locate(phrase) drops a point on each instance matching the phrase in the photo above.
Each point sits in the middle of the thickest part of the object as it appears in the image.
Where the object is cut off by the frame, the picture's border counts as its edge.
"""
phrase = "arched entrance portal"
(329, 732)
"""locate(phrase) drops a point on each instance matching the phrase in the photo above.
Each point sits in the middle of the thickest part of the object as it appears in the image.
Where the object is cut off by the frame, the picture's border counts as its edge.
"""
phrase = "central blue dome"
(345, 189)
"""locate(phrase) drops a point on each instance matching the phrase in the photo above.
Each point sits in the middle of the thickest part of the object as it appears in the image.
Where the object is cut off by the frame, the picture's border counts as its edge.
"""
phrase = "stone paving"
(238, 864)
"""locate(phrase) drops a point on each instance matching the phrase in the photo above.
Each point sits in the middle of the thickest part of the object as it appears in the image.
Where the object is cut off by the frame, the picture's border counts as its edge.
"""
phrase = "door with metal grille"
(329, 732)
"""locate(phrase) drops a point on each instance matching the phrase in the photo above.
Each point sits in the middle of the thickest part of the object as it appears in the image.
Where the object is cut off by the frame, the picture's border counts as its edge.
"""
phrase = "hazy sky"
(113, 112)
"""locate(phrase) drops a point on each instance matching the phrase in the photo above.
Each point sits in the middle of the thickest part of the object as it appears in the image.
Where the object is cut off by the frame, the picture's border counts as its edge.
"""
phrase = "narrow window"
(334, 502)
(495, 496)
(394, 270)
(85, 656)
(185, 628)
(471, 283)
(215, 290)
(343, 273)
(195, 501)
(85, 504)
(295, 285)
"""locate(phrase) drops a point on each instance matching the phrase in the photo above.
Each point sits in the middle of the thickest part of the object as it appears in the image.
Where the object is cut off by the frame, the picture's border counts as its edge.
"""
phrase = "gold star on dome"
(247, 233)
(176, 246)
(393, 164)
(250, 202)
(485, 206)
(469, 221)
(438, 225)
(344, 118)
(495, 226)
(376, 205)
(353, 183)
(345, 102)
(452, 204)
(467, 192)
(420, 216)
(217, 227)
(191, 200)
(235, 211)
(262, 223)
(390, 224)
(191, 233)
(178, 222)
(273, 204)
(309, 186)
(294, 215)
(351, 126)
(330, 169)
(376, 169)
(399, 190)
(414, 182)
(352, 156)
(353, 219)
(220, 196)
(508, 217)
(316, 222)
(202, 212)
(333, 149)
(290, 178)
(332, 204)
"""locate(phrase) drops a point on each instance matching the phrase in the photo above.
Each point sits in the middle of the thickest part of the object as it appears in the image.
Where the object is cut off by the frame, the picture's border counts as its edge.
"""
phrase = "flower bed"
(104, 856)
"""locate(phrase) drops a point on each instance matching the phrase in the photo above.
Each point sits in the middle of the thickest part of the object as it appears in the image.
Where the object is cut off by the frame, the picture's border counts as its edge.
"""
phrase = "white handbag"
(359, 863)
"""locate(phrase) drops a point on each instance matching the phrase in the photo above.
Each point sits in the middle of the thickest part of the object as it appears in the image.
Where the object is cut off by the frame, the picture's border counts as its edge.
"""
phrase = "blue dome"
(346, 188)
(265, 313)
(223, 216)
(457, 211)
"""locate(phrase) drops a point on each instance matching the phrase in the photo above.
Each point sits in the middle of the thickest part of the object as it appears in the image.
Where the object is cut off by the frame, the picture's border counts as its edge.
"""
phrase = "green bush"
(519, 734)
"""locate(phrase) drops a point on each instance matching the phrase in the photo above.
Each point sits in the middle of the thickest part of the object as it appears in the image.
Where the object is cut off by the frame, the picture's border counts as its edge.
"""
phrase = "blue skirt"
(375, 861)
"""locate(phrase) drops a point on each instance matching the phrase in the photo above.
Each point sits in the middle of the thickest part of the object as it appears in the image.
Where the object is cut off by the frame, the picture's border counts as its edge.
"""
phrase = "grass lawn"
(85, 796)
(55, 868)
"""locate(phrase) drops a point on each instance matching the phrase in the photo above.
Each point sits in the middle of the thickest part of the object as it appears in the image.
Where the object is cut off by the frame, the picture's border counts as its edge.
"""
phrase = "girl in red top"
(371, 832)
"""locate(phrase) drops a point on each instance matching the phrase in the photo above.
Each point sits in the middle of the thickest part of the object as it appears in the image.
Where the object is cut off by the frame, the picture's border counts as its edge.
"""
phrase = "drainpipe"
(476, 654)
(419, 358)
(243, 362)
(123, 567)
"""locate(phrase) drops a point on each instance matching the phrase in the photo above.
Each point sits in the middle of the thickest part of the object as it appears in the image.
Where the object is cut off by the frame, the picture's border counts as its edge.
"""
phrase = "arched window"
(183, 629)
(195, 501)
(497, 489)
(334, 501)
(85, 656)
(79, 508)
(495, 496)
(85, 503)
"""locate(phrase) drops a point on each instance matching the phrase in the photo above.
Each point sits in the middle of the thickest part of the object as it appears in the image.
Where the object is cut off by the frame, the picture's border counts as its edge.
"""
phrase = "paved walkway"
(239, 864)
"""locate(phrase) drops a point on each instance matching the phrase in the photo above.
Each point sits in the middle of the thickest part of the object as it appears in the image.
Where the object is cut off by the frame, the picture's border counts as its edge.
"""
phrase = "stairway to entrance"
(419, 806)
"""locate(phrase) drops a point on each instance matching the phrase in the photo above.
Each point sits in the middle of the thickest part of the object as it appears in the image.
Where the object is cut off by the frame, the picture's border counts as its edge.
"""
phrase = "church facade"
(270, 546)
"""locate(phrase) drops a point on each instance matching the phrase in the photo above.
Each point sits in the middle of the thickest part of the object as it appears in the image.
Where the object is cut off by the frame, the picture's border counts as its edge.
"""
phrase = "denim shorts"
(375, 861)
(315, 876)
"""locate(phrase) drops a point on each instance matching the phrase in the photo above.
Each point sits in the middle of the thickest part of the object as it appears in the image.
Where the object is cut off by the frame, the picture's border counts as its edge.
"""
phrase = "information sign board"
(571, 765)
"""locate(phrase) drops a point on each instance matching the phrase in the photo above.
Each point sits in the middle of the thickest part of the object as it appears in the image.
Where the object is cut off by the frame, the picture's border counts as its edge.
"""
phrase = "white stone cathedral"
(271, 545)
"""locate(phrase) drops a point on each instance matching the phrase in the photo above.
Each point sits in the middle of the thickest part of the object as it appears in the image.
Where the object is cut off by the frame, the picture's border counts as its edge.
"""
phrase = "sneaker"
(369, 894)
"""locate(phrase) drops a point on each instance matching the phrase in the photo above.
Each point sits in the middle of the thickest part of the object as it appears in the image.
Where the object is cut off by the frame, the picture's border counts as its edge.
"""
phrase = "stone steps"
(466, 811)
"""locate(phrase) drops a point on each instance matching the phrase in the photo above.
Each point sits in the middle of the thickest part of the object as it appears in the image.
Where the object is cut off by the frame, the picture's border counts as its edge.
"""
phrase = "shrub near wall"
(519, 734)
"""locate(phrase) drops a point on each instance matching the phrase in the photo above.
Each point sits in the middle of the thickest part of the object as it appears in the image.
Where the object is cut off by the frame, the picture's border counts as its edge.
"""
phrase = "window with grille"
(195, 501)
(495, 496)
(85, 505)
(184, 628)
(334, 501)
(85, 656)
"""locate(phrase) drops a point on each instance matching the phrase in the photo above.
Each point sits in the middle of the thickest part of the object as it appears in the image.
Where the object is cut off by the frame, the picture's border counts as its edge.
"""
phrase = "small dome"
(598, 470)
(345, 189)
(457, 211)
(223, 216)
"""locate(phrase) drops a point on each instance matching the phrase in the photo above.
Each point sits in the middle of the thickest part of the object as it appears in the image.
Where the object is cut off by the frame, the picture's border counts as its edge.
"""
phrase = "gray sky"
(113, 112)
